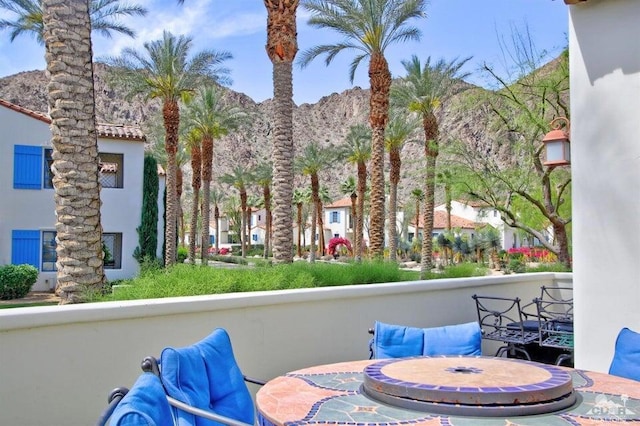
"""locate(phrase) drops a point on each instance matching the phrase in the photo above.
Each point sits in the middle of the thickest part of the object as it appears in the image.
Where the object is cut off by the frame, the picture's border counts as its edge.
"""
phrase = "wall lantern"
(557, 151)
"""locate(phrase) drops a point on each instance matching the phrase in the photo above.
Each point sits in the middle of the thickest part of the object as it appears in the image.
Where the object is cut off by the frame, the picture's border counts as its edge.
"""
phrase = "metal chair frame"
(503, 322)
(555, 328)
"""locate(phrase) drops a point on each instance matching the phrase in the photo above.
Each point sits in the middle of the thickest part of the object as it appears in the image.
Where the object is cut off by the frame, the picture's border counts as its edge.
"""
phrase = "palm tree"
(194, 145)
(212, 119)
(164, 71)
(282, 46)
(446, 179)
(104, 16)
(423, 91)
(418, 196)
(399, 129)
(311, 162)
(300, 197)
(240, 178)
(350, 187)
(264, 178)
(358, 152)
(324, 197)
(216, 198)
(80, 263)
(369, 27)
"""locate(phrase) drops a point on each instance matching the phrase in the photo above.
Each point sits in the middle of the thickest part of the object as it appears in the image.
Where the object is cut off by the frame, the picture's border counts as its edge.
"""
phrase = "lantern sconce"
(556, 143)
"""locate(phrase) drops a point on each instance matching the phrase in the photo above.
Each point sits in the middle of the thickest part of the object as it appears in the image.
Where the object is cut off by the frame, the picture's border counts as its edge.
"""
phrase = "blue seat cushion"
(458, 339)
(206, 375)
(397, 341)
(144, 405)
(626, 360)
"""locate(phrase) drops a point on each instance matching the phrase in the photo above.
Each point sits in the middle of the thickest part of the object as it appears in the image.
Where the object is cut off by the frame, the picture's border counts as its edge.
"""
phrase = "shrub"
(183, 253)
(16, 280)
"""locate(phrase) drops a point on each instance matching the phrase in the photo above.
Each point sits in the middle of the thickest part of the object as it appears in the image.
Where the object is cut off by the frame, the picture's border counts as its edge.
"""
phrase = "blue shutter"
(25, 247)
(27, 167)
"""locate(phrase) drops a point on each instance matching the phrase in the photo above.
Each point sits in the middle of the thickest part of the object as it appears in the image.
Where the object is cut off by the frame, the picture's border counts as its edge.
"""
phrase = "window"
(335, 217)
(336, 235)
(47, 181)
(112, 246)
(254, 237)
(111, 170)
(49, 255)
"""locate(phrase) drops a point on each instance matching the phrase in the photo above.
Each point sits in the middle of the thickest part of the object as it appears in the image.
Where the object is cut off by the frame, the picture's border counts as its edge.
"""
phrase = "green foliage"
(549, 267)
(183, 253)
(459, 271)
(16, 280)
(148, 229)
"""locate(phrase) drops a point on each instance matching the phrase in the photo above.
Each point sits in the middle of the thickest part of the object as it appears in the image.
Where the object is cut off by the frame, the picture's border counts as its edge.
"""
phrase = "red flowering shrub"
(336, 242)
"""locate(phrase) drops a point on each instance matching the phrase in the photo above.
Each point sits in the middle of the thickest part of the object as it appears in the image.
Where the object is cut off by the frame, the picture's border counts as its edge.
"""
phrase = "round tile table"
(447, 391)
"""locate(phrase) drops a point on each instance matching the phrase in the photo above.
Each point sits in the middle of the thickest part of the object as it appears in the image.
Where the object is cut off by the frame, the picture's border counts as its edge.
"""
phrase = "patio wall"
(58, 363)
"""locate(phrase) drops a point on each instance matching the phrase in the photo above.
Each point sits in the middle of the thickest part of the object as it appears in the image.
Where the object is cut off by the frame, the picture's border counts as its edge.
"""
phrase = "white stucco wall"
(604, 40)
(58, 363)
(23, 208)
(35, 209)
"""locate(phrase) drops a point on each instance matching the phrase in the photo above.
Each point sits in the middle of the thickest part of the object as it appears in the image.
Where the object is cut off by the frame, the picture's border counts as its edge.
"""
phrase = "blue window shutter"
(25, 247)
(27, 167)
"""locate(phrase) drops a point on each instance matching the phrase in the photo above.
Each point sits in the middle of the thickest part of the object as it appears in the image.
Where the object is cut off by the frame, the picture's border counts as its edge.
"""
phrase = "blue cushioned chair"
(626, 360)
(144, 405)
(206, 376)
(396, 341)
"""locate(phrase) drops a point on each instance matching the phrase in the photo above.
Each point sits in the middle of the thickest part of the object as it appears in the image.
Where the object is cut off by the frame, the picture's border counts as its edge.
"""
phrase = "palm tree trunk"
(171, 115)
(207, 164)
(315, 196)
(430, 125)
(299, 221)
(266, 194)
(394, 179)
(216, 217)
(179, 177)
(322, 244)
(196, 183)
(282, 47)
(380, 80)
(243, 222)
(67, 36)
(362, 187)
(417, 219)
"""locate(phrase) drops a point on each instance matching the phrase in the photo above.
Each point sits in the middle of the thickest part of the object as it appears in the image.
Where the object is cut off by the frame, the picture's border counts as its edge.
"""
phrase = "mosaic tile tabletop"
(331, 395)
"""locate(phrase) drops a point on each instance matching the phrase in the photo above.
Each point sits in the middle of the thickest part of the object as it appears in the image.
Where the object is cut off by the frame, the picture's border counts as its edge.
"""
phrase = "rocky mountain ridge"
(326, 121)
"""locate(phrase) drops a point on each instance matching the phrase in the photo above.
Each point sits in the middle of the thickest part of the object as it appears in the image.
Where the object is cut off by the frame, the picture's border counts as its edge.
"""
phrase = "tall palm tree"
(80, 257)
(282, 46)
(300, 198)
(369, 27)
(350, 187)
(358, 151)
(165, 71)
(418, 196)
(212, 118)
(216, 198)
(194, 145)
(104, 14)
(264, 178)
(422, 91)
(311, 162)
(446, 179)
(324, 197)
(240, 179)
(399, 130)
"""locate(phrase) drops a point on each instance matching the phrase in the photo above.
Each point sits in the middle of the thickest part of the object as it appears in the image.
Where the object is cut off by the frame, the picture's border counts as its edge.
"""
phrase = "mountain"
(326, 121)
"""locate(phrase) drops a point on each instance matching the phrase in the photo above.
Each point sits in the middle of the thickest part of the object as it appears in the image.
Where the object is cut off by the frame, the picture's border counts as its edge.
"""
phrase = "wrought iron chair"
(501, 319)
(555, 328)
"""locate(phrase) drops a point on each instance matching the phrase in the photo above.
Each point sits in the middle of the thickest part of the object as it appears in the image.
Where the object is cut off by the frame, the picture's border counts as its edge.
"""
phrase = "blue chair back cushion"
(144, 405)
(206, 375)
(459, 339)
(396, 341)
(626, 360)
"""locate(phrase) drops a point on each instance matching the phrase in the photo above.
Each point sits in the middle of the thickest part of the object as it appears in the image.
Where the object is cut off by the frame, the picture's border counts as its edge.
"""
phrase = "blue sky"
(453, 28)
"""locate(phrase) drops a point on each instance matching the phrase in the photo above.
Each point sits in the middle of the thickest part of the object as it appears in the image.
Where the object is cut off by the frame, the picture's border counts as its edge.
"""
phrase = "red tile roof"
(107, 131)
(343, 202)
(440, 221)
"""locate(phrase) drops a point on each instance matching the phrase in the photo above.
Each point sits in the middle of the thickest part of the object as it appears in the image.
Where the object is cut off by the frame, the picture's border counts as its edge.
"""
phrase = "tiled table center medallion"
(480, 383)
